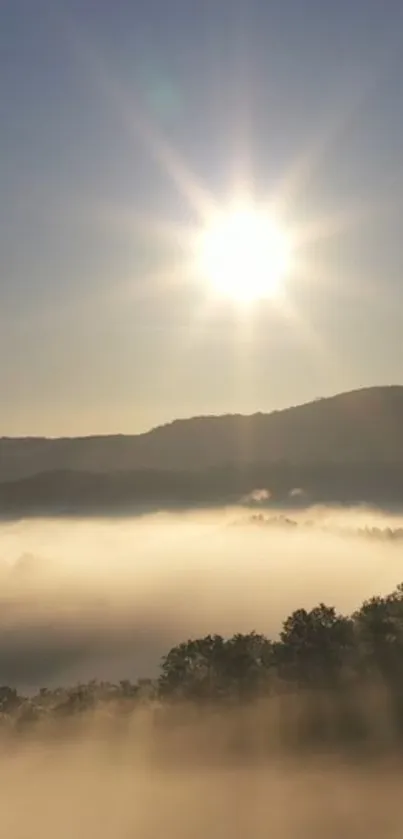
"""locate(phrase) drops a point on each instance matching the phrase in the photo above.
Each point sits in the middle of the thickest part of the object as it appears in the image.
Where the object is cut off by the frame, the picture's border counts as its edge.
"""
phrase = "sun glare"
(244, 254)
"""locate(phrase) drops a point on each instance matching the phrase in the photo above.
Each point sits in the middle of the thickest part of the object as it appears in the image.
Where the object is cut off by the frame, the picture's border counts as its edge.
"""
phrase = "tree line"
(319, 656)
(317, 649)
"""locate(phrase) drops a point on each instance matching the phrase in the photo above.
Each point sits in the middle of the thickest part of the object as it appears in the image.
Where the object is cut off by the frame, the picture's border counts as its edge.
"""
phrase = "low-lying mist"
(82, 790)
(82, 599)
(85, 790)
(107, 598)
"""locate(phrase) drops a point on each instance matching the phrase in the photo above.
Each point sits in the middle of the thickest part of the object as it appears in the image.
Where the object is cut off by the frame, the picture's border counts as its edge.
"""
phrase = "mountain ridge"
(358, 426)
(372, 390)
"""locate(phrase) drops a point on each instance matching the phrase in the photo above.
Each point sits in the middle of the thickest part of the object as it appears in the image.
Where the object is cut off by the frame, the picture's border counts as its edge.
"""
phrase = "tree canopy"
(317, 653)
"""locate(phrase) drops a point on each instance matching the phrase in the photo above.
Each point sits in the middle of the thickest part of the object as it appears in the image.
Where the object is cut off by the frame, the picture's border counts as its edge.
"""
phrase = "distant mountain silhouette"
(359, 427)
(346, 449)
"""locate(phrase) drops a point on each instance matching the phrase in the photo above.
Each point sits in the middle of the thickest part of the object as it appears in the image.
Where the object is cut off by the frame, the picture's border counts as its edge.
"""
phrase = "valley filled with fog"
(106, 598)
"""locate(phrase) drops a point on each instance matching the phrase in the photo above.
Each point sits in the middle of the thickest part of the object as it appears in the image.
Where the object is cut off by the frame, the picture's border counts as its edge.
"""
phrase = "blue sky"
(100, 327)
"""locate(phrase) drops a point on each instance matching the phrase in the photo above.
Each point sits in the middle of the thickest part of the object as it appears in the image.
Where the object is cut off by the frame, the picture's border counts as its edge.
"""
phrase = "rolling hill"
(359, 427)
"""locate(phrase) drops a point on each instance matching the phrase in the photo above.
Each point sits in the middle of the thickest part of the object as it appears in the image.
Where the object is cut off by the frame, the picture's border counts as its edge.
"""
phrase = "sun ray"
(134, 115)
(241, 264)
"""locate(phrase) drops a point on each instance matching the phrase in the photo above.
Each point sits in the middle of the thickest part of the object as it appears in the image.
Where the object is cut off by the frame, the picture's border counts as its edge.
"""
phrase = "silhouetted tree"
(316, 646)
(247, 663)
(379, 631)
(9, 700)
(194, 668)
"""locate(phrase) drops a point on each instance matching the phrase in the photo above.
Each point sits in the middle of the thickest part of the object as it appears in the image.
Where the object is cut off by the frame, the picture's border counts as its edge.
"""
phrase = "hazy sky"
(101, 329)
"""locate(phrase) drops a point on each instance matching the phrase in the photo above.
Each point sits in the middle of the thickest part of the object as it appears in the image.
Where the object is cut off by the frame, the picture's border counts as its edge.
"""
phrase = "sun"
(244, 254)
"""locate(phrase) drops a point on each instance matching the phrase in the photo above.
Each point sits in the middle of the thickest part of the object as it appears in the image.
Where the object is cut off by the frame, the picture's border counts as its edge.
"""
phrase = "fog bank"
(82, 599)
